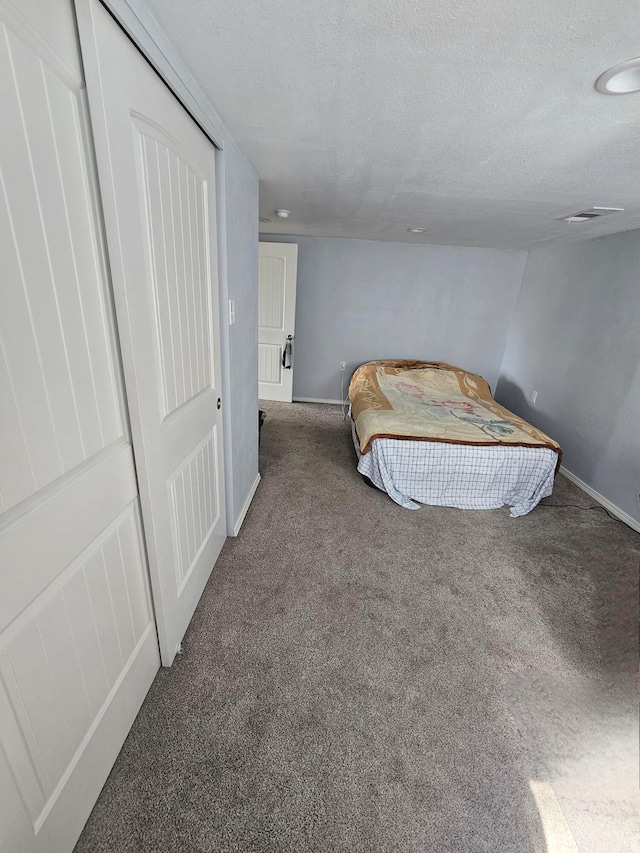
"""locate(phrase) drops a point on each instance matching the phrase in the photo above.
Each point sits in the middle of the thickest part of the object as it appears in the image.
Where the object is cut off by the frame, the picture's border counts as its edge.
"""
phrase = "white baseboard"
(316, 400)
(613, 509)
(245, 508)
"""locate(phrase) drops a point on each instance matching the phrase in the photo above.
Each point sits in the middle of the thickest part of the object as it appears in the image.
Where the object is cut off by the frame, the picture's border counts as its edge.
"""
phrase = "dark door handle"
(287, 353)
(219, 403)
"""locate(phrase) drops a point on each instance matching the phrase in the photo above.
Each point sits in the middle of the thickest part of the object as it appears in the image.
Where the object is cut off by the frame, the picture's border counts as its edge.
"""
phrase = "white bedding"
(462, 476)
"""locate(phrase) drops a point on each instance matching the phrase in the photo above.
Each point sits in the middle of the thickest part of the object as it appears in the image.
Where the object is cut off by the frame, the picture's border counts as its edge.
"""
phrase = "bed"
(430, 433)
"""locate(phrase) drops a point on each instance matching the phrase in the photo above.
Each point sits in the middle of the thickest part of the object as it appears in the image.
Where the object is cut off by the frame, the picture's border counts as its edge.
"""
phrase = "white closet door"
(78, 647)
(157, 174)
(277, 277)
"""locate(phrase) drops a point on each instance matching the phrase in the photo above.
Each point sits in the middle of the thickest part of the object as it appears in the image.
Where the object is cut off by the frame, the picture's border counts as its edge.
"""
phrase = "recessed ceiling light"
(282, 213)
(263, 219)
(621, 79)
(417, 230)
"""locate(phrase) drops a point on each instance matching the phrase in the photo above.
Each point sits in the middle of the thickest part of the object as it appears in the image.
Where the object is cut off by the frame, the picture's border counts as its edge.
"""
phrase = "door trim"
(245, 508)
(152, 42)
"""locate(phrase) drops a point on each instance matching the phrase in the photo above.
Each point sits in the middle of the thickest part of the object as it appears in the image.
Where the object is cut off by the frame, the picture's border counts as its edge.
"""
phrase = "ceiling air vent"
(592, 213)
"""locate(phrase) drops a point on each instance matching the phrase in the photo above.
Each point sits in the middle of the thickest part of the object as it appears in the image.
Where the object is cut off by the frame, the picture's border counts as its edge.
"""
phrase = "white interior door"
(277, 276)
(157, 174)
(78, 647)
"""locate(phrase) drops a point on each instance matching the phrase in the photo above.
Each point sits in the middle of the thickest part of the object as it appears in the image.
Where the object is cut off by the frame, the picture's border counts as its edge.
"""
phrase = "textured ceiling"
(476, 119)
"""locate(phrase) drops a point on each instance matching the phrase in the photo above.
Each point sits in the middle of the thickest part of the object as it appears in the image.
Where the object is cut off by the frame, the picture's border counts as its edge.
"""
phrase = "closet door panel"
(78, 647)
(157, 174)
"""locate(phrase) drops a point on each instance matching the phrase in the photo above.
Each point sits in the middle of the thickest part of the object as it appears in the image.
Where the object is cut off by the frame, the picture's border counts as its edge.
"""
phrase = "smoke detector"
(592, 213)
(282, 213)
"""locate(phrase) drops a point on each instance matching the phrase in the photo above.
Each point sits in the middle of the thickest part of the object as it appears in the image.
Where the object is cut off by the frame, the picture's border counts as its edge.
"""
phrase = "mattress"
(427, 432)
(457, 475)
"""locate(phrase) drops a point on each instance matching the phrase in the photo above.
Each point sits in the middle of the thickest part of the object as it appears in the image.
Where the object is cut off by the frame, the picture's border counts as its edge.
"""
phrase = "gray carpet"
(361, 677)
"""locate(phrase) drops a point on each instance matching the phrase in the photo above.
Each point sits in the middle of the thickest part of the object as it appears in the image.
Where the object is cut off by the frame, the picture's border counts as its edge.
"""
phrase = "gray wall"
(238, 187)
(359, 300)
(575, 338)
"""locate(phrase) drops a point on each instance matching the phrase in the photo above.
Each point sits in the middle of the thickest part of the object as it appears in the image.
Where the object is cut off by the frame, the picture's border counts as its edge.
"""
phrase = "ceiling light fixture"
(621, 79)
(417, 230)
(282, 213)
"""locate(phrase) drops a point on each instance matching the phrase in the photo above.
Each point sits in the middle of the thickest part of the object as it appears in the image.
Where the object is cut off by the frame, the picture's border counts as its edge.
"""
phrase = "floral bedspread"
(433, 401)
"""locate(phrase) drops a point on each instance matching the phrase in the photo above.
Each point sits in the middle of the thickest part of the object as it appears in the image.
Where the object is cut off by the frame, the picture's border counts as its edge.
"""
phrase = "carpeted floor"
(360, 677)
